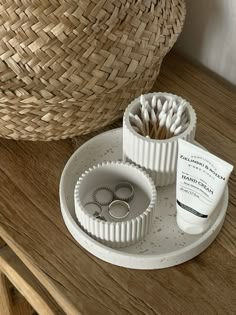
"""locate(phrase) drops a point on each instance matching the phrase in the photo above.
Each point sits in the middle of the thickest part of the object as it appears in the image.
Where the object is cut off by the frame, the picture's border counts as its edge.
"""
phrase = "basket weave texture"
(70, 67)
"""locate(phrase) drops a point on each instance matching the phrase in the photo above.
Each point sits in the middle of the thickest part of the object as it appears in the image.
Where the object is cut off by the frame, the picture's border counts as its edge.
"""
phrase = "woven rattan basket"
(70, 67)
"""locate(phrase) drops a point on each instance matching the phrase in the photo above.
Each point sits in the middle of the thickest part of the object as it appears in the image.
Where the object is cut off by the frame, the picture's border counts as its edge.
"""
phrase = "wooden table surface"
(32, 225)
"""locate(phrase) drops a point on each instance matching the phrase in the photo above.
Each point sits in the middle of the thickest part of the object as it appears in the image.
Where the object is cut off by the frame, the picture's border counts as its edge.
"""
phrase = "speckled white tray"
(165, 246)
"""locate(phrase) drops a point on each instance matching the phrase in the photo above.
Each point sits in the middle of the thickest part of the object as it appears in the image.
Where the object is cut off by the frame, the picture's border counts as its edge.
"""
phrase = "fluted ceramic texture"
(157, 157)
(116, 234)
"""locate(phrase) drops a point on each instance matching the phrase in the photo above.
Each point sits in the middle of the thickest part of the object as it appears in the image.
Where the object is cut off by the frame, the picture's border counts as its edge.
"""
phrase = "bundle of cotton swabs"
(160, 119)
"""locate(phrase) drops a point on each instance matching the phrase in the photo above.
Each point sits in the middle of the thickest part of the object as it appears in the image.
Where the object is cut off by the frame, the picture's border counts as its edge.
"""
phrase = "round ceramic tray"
(165, 246)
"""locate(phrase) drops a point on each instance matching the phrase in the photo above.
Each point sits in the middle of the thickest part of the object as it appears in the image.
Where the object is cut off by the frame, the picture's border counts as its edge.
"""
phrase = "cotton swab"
(165, 106)
(172, 128)
(140, 124)
(154, 123)
(160, 119)
(181, 109)
(147, 106)
(177, 130)
(142, 100)
(131, 116)
(153, 116)
(168, 123)
(136, 121)
(144, 107)
(173, 119)
(146, 120)
(170, 113)
(177, 121)
(154, 102)
(162, 113)
(137, 126)
(174, 107)
(161, 125)
(170, 104)
(136, 129)
(159, 106)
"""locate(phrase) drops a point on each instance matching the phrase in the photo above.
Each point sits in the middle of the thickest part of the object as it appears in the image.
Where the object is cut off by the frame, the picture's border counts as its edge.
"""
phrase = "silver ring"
(121, 203)
(129, 187)
(95, 214)
(103, 203)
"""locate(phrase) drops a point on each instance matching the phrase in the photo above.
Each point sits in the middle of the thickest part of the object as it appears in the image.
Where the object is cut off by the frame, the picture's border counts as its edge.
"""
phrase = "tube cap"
(191, 228)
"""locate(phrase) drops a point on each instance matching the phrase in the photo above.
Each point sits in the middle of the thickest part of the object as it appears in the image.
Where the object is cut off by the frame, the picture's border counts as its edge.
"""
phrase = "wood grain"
(2, 243)
(19, 304)
(17, 273)
(5, 297)
(11, 301)
(31, 222)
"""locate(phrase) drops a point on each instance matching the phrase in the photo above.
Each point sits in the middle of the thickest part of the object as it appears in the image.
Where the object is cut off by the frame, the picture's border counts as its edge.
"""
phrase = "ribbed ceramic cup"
(114, 232)
(157, 157)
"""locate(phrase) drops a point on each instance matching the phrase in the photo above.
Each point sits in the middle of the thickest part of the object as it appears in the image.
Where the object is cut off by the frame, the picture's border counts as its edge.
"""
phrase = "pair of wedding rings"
(117, 202)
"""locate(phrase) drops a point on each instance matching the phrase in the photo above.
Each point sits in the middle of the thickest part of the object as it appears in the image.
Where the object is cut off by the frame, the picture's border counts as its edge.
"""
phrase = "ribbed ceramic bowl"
(116, 232)
(157, 157)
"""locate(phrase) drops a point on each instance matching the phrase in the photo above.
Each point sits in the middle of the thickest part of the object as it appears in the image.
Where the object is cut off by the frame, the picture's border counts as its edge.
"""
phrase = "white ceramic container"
(166, 245)
(157, 157)
(112, 231)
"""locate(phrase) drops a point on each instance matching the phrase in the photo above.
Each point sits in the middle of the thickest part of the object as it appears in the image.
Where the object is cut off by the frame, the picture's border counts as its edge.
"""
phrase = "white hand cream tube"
(201, 181)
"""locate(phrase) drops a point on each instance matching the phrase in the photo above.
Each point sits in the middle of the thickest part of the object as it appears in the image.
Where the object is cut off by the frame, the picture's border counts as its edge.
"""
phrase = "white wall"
(209, 36)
